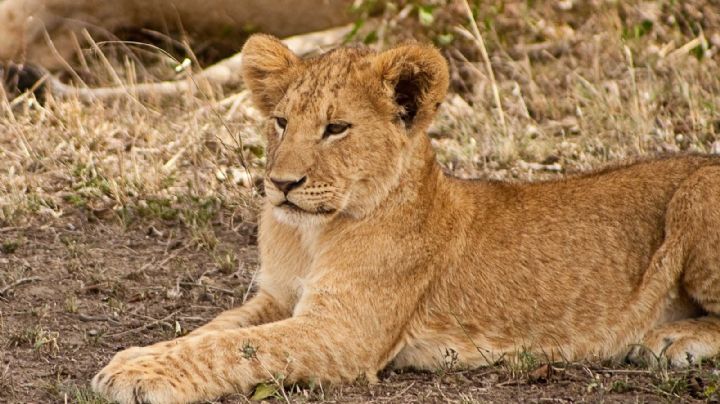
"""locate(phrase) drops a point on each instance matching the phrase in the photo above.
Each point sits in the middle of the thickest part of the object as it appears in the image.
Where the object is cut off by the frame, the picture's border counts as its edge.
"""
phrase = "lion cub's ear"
(416, 77)
(267, 66)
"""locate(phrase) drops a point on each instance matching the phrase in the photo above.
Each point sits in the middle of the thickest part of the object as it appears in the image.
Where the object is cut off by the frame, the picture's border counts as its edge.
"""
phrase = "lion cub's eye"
(280, 122)
(280, 125)
(336, 128)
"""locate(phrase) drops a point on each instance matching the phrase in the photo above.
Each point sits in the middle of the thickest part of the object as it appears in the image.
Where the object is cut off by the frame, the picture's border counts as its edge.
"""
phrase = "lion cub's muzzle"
(298, 195)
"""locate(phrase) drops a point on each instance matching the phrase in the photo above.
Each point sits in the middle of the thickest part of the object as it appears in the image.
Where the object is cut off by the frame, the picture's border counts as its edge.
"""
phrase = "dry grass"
(121, 159)
(577, 88)
(579, 83)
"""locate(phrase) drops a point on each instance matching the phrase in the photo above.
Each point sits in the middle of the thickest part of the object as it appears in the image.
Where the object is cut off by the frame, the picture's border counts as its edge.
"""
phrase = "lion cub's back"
(617, 193)
(619, 209)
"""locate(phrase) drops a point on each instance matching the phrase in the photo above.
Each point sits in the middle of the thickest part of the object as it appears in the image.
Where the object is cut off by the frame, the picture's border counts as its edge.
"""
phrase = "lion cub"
(371, 255)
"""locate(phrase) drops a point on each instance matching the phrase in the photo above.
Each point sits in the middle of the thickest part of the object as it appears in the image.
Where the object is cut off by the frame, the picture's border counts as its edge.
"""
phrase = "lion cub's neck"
(419, 180)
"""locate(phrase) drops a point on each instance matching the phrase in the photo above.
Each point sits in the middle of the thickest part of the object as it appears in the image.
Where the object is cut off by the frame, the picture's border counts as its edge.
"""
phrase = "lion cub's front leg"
(215, 363)
(260, 309)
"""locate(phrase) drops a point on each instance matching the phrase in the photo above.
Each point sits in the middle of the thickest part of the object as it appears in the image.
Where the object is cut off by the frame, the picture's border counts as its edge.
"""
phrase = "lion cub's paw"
(673, 350)
(139, 375)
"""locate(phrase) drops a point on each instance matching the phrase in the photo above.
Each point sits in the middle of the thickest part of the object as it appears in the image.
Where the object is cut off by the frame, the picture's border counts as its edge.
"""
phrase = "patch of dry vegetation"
(125, 160)
(580, 84)
(583, 83)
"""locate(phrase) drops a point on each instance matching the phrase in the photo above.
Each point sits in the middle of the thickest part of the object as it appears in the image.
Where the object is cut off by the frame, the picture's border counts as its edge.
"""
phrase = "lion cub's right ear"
(267, 70)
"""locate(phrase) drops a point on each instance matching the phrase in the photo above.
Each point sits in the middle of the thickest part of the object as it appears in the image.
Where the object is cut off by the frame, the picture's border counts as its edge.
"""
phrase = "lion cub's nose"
(287, 185)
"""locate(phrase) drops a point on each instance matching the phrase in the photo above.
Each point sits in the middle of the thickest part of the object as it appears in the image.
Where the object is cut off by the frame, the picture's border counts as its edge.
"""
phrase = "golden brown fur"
(22, 22)
(372, 255)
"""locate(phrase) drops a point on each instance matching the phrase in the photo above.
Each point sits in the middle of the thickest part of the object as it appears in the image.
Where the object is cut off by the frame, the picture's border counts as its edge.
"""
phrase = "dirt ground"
(74, 292)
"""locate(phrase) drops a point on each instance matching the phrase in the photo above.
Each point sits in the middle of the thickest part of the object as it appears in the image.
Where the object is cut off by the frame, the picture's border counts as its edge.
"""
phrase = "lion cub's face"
(339, 126)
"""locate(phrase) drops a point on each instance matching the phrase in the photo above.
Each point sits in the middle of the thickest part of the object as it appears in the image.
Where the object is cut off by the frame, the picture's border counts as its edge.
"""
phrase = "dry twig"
(478, 39)
(225, 72)
(144, 326)
(86, 318)
(17, 283)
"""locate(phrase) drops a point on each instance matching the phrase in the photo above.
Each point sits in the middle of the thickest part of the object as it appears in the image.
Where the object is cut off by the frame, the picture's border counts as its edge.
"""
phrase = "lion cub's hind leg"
(701, 278)
(684, 342)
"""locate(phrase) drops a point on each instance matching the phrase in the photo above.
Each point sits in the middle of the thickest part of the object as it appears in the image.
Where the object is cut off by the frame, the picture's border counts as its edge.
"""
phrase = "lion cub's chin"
(297, 218)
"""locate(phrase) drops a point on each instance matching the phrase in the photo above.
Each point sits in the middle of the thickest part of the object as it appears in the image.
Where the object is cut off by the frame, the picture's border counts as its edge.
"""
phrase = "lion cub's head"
(340, 126)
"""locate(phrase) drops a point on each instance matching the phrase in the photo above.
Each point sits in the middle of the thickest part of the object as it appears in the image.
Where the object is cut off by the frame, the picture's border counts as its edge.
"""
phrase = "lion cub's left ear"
(267, 70)
(416, 78)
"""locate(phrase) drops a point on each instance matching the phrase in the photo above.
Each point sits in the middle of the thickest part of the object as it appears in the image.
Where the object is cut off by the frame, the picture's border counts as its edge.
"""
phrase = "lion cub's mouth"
(295, 208)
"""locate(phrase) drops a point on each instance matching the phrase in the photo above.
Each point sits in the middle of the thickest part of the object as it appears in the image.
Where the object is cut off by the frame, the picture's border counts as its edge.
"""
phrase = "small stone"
(532, 131)
(715, 148)
(715, 39)
(153, 232)
(565, 5)
(173, 293)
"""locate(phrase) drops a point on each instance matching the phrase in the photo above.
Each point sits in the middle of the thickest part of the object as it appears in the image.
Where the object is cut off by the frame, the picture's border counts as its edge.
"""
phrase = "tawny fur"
(23, 22)
(381, 258)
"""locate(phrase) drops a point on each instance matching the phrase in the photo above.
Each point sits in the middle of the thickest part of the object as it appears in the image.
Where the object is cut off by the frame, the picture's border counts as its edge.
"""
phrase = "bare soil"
(75, 292)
